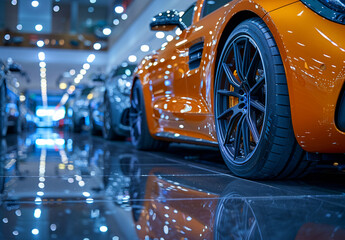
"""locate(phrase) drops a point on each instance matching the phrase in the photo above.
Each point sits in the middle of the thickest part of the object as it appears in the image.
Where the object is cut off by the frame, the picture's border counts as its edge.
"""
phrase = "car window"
(187, 17)
(212, 5)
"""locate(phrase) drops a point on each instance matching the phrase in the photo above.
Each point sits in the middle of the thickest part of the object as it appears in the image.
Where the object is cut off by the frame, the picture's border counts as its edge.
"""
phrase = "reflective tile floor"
(58, 185)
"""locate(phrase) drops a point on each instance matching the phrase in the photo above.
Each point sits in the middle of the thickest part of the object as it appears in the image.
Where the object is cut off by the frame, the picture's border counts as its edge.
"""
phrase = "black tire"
(252, 108)
(77, 127)
(3, 115)
(17, 128)
(108, 130)
(93, 127)
(140, 134)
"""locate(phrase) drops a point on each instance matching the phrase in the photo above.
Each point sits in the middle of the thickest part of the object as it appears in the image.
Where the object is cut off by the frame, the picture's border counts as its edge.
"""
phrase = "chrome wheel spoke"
(230, 76)
(234, 111)
(238, 137)
(253, 128)
(258, 105)
(257, 85)
(228, 93)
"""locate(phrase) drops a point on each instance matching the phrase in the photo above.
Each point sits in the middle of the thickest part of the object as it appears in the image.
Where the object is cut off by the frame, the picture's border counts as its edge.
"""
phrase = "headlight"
(124, 86)
(333, 10)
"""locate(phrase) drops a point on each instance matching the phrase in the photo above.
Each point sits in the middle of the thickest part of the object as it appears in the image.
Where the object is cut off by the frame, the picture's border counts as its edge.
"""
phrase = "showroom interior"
(179, 119)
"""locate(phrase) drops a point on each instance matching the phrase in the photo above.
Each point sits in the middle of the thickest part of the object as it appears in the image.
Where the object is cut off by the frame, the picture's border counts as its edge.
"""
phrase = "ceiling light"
(107, 31)
(169, 38)
(119, 9)
(132, 58)
(40, 43)
(124, 16)
(80, 76)
(43, 64)
(41, 56)
(77, 80)
(38, 27)
(14, 2)
(91, 58)
(145, 48)
(116, 22)
(92, 1)
(91, 9)
(7, 37)
(124, 64)
(83, 71)
(86, 66)
(97, 46)
(160, 35)
(22, 98)
(62, 85)
(35, 3)
(72, 72)
(19, 27)
(56, 8)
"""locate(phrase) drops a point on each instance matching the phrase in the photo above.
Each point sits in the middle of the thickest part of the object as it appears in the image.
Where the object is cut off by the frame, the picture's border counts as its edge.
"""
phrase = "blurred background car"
(117, 103)
(10, 75)
(28, 118)
(96, 106)
(79, 108)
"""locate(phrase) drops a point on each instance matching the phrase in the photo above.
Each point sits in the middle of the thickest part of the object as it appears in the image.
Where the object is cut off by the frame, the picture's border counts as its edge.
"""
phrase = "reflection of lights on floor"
(35, 231)
(37, 213)
(103, 228)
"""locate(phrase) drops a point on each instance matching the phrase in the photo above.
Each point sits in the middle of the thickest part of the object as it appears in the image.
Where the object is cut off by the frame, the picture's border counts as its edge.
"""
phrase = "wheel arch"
(234, 21)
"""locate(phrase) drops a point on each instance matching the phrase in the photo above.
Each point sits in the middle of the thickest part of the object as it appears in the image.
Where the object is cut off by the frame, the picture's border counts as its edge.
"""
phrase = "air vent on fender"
(195, 55)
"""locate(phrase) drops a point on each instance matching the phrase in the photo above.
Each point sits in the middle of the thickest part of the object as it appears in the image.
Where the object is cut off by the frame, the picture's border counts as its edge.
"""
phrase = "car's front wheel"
(252, 108)
(140, 134)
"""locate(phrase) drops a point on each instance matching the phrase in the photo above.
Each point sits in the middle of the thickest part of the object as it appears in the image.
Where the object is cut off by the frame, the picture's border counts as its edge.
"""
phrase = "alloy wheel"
(240, 99)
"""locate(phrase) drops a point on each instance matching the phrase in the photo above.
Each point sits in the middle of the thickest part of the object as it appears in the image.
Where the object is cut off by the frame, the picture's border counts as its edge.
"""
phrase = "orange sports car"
(263, 80)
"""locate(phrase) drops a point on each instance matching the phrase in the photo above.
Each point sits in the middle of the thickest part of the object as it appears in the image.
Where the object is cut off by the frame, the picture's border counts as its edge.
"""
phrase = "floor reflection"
(56, 185)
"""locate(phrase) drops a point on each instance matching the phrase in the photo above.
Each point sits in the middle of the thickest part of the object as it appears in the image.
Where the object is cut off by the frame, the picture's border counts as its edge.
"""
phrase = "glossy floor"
(57, 185)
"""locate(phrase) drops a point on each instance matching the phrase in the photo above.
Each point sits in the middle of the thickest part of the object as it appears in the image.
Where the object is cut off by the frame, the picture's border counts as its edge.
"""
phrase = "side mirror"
(167, 21)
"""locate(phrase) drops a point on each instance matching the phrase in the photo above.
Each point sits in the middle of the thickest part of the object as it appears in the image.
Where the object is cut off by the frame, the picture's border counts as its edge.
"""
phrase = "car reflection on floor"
(58, 185)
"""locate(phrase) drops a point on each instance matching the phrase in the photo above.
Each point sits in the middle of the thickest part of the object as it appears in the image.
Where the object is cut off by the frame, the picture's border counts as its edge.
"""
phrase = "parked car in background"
(96, 104)
(10, 117)
(78, 107)
(28, 118)
(117, 102)
(262, 80)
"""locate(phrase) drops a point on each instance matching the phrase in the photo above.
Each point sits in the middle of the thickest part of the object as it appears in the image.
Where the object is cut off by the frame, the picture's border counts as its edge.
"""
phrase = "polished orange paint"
(180, 101)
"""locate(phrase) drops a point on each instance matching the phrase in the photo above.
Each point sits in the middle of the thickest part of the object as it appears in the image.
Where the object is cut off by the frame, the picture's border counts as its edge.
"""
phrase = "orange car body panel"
(179, 101)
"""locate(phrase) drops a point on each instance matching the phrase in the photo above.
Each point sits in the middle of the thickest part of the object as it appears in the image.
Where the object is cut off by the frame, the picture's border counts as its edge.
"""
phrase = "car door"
(199, 39)
(167, 72)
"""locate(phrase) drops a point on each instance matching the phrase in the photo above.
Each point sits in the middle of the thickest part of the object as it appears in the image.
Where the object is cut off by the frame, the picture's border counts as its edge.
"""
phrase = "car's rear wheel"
(108, 130)
(3, 115)
(76, 126)
(140, 134)
(93, 126)
(252, 109)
